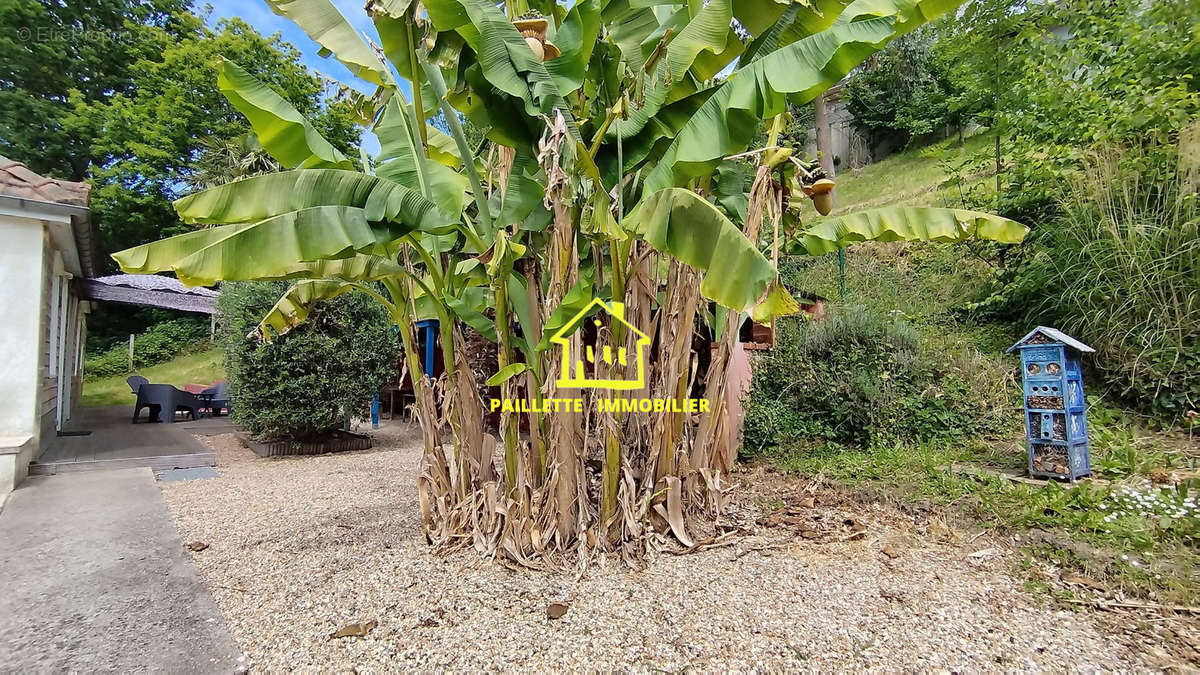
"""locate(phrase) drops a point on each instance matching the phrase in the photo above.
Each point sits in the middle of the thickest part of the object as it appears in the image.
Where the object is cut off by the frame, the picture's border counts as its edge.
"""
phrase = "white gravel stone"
(302, 546)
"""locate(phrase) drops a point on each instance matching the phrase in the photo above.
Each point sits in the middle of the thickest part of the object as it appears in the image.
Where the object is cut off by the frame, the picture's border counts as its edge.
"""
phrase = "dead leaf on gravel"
(890, 551)
(556, 610)
(197, 546)
(354, 630)
(806, 502)
(983, 553)
(1082, 581)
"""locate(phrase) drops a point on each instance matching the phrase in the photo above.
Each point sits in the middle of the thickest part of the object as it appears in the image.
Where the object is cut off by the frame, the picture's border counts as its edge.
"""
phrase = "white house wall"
(23, 276)
(40, 340)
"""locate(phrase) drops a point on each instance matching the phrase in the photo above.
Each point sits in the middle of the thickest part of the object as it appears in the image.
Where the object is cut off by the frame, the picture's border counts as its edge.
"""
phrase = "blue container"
(1055, 410)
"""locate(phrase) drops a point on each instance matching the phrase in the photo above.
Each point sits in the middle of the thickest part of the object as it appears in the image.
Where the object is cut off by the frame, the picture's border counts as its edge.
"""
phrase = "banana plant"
(610, 186)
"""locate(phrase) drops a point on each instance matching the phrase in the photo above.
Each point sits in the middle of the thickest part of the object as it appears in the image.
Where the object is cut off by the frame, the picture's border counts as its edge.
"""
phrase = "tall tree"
(51, 52)
(149, 142)
(120, 92)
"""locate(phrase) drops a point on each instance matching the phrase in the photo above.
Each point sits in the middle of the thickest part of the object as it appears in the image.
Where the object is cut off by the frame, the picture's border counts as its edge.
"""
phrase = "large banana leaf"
(574, 301)
(727, 122)
(640, 114)
(273, 194)
(322, 21)
(736, 275)
(272, 248)
(575, 38)
(631, 28)
(506, 60)
(905, 223)
(707, 31)
(400, 154)
(443, 149)
(281, 129)
(524, 193)
(469, 306)
(799, 72)
(778, 24)
(361, 267)
(391, 19)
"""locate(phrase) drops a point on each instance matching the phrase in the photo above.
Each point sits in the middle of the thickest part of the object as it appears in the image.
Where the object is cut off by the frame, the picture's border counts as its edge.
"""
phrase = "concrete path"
(93, 576)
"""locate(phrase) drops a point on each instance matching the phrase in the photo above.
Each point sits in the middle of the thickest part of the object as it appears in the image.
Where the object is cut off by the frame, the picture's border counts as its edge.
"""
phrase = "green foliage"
(857, 377)
(125, 95)
(203, 367)
(902, 93)
(980, 51)
(1092, 102)
(314, 378)
(1105, 72)
(161, 342)
(149, 143)
(1120, 269)
(54, 51)
(1055, 79)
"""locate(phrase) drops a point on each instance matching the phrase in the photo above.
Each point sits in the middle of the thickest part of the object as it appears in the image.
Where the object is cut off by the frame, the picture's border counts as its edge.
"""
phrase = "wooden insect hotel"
(1055, 410)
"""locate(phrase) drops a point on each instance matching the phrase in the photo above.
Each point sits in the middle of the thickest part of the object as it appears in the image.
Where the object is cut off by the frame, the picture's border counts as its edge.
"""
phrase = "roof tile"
(16, 180)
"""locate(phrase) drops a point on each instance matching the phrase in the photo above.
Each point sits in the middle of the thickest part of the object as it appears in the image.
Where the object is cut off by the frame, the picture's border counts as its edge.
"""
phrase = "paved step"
(156, 463)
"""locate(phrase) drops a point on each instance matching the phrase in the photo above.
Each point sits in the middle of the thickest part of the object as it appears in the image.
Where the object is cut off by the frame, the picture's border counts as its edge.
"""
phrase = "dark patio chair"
(220, 398)
(135, 381)
(164, 401)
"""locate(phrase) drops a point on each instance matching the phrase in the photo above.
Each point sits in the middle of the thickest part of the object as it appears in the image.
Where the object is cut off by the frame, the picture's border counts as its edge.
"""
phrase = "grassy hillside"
(199, 368)
(922, 176)
(1145, 552)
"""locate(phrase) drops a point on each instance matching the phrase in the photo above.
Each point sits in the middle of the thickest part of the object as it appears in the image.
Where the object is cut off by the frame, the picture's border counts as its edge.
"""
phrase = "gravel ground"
(301, 547)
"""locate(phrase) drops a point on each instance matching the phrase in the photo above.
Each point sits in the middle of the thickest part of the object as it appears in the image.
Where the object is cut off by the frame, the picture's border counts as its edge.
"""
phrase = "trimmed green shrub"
(312, 379)
(858, 377)
(161, 342)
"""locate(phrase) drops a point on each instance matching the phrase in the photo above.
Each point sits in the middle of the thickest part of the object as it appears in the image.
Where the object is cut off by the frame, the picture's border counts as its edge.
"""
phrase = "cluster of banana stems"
(582, 481)
(591, 481)
(555, 487)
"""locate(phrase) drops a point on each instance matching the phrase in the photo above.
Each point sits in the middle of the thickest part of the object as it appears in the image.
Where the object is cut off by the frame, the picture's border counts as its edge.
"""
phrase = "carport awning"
(148, 290)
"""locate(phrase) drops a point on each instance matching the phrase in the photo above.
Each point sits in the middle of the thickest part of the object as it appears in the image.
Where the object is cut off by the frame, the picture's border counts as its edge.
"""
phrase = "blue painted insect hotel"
(1055, 411)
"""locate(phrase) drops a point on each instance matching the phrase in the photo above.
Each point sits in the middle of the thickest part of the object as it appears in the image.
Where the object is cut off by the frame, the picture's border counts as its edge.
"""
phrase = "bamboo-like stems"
(508, 420)
(537, 423)
(611, 468)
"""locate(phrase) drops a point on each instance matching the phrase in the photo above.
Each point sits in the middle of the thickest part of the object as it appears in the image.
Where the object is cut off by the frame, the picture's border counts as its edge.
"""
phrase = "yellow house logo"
(573, 371)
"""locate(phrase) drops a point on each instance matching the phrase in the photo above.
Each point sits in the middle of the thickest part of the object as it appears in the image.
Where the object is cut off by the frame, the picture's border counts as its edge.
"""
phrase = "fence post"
(131, 352)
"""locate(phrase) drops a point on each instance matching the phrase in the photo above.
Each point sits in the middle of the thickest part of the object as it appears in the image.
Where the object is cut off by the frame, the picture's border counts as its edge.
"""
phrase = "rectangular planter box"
(339, 441)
